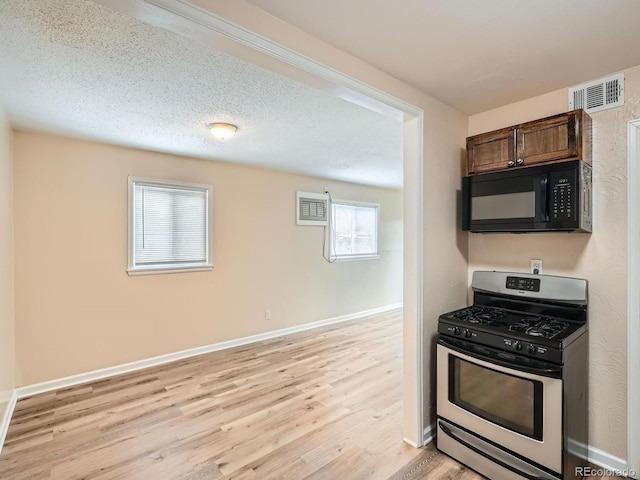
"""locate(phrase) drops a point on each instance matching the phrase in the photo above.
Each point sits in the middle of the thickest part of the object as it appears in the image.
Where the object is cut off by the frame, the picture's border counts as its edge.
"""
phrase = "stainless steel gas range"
(512, 377)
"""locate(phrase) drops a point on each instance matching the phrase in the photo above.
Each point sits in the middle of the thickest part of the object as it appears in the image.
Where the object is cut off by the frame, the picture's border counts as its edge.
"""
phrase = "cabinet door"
(491, 151)
(548, 140)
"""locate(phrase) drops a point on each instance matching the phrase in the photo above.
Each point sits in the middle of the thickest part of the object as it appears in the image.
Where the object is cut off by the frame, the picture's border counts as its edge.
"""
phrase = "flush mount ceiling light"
(223, 131)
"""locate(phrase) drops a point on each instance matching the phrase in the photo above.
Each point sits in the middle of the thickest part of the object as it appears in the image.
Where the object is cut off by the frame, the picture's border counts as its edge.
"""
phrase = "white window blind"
(354, 230)
(169, 226)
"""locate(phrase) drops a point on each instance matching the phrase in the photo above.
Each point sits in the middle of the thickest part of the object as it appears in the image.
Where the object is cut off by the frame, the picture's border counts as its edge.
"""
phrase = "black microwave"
(544, 198)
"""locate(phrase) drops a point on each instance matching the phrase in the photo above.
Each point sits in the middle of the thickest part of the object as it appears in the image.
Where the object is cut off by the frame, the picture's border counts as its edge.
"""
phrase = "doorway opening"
(204, 26)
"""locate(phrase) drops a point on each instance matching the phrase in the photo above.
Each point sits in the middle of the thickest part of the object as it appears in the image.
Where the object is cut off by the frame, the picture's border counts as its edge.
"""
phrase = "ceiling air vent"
(599, 95)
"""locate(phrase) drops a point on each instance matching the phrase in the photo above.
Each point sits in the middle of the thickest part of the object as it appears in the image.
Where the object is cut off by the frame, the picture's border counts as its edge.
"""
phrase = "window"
(354, 228)
(169, 226)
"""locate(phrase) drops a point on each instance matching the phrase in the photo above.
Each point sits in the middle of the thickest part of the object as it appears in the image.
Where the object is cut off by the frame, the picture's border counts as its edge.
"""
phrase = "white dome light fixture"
(223, 131)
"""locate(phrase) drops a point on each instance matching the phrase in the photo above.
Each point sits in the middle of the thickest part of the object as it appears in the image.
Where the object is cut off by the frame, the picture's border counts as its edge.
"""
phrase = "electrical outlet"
(267, 314)
(536, 266)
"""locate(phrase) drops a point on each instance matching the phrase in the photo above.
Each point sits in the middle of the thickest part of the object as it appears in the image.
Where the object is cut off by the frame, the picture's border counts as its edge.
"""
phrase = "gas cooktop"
(516, 324)
(536, 316)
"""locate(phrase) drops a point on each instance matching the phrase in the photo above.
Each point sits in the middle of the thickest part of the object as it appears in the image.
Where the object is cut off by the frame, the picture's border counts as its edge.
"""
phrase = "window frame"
(332, 233)
(134, 269)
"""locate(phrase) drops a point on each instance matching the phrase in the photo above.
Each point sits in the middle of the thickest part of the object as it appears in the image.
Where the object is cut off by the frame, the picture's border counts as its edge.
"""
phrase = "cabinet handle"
(520, 161)
(511, 163)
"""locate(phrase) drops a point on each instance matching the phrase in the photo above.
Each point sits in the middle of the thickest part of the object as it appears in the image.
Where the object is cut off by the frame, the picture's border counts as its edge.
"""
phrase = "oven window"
(507, 400)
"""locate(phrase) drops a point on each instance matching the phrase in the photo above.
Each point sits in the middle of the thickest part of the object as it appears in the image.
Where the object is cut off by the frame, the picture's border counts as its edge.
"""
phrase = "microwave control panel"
(563, 188)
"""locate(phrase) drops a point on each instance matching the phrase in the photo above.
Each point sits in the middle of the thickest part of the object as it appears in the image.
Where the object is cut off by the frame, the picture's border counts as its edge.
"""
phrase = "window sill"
(354, 258)
(165, 270)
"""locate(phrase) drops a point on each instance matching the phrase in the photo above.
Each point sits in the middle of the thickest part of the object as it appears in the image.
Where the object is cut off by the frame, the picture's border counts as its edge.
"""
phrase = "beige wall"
(77, 310)
(600, 257)
(7, 354)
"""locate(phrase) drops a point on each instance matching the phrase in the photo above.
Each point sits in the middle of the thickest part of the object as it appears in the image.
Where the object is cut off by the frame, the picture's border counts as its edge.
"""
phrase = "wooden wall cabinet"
(558, 138)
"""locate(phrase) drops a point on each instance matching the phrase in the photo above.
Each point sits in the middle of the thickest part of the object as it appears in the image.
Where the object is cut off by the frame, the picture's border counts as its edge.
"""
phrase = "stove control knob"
(532, 349)
(517, 345)
(456, 331)
(467, 334)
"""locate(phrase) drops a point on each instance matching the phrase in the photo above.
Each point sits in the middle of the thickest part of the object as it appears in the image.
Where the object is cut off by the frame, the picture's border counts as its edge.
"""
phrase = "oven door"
(520, 411)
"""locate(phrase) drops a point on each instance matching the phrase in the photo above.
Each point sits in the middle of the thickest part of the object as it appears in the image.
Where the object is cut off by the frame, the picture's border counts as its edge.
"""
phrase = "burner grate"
(480, 315)
(539, 327)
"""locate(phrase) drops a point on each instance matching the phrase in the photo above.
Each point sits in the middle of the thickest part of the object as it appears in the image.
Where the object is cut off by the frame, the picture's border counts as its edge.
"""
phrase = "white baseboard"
(413, 444)
(51, 385)
(597, 457)
(5, 420)
(605, 460)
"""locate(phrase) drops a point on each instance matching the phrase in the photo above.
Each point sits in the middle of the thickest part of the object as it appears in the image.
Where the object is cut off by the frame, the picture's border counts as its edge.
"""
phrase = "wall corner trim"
(429, 434)
(73, 380)
(633, 303)
(6, 417)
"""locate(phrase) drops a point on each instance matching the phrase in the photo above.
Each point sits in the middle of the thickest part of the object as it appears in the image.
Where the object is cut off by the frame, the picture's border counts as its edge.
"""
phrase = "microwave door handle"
(542, 199)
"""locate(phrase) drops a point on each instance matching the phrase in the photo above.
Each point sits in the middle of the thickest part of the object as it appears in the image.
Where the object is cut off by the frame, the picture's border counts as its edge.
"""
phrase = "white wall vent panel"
(312, 208)
(598, 95)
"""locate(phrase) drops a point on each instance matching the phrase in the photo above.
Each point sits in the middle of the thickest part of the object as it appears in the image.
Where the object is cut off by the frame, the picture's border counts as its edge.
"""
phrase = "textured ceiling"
(76, 68)
(477, 55)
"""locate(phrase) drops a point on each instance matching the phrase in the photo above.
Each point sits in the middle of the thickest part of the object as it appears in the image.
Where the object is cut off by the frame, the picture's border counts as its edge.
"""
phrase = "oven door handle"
(550, 371)
(475, 449)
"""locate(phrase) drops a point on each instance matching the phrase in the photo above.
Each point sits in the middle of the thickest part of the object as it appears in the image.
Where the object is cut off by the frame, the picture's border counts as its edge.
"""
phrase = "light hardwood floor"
(323, 404)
